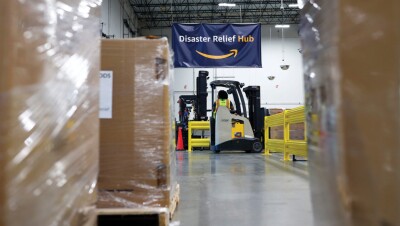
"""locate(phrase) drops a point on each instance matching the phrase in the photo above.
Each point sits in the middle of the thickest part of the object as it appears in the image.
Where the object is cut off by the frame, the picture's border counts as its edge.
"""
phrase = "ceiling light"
(285, 66)
(300, 3)
(293, 5)
(282, 26)
(227, 4)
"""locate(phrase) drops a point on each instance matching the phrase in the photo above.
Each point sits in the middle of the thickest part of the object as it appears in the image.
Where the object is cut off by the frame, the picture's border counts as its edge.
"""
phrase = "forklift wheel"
(257, 147)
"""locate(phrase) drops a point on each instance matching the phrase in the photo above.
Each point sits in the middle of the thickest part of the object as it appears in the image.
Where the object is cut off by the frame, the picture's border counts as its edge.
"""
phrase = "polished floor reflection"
(239, 189)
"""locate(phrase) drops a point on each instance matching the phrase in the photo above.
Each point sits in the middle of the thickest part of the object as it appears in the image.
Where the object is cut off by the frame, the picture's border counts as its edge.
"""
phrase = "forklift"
(240, 129)
(199, 104)
(198, 101)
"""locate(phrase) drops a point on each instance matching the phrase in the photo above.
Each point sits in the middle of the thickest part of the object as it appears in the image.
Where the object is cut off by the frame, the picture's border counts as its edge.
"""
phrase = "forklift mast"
(201, 102)
(256, 113)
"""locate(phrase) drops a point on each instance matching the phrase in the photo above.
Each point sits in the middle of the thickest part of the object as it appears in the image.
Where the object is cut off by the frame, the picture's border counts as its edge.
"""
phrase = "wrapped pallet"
(137, 158)
(49, 67)
(351, 52)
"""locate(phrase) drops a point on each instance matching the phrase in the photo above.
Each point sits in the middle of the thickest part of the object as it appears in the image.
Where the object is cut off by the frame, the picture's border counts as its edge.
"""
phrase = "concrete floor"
(239, 189)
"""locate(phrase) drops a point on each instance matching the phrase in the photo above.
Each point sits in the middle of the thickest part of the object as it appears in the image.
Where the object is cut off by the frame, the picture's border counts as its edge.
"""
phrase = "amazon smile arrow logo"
(233, 52)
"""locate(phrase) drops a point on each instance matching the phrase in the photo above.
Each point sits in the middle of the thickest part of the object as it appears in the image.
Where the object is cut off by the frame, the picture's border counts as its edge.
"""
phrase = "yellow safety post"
(294, 147)
(276, 145)
(198, 142)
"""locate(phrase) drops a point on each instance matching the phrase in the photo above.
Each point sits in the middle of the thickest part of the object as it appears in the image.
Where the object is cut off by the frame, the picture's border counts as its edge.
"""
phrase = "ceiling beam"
(193, 3)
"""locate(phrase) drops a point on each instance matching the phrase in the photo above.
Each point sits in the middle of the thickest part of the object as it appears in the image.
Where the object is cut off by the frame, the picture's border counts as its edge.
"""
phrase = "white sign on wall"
(106, 84)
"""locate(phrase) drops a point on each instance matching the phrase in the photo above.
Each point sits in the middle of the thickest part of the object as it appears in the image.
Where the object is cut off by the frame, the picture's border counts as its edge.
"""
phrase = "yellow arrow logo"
(233, 52)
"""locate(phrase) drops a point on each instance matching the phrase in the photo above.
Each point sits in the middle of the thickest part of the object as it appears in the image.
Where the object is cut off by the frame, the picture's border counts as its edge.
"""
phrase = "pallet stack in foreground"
(351, 51)
(137, 161)
(49, 67)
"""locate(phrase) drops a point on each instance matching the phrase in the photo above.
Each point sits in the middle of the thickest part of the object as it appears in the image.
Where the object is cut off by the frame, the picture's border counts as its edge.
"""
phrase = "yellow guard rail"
(198, 142)
(286, 145)
(276, 145)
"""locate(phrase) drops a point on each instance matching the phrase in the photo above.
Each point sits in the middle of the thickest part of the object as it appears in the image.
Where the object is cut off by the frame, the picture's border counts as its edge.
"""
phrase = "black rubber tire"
(212, 148)
(257, 147)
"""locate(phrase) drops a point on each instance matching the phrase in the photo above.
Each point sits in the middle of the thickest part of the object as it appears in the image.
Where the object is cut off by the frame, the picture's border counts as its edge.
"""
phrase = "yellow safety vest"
(222, 102)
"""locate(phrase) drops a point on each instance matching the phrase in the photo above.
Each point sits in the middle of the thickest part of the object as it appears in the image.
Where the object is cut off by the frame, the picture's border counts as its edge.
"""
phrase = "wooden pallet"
(139, 216)
(174, 202)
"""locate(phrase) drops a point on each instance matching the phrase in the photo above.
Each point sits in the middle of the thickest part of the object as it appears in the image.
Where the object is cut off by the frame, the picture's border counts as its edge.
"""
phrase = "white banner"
(106, 85)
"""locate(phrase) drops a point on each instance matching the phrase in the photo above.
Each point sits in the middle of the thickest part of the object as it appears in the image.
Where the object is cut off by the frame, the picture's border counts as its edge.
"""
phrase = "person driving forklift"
(222, 101)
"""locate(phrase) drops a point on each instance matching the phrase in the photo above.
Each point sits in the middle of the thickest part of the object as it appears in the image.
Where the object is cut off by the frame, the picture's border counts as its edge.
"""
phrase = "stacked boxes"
(276, 132)
(137, 161)
(296, 130)
(351, 51)
(49, 111)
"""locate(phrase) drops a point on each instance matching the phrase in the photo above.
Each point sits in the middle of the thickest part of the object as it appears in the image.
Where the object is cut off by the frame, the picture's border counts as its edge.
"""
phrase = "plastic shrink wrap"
(137, 154)
(351, 56)
(49, 52)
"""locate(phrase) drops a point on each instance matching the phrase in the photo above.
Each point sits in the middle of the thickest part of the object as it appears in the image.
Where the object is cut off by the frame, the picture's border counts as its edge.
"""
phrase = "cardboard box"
(274, 111)
(276, 132)
(351, 60)
(49, 107)
(136, 154)
(296, 129)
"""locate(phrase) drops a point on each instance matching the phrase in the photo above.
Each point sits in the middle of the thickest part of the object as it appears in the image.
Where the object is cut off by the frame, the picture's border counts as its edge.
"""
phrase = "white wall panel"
(112, 16)
(285, 91)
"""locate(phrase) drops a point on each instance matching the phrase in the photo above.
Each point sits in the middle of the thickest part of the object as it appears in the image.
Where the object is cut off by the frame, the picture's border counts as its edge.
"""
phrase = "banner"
(216, 45)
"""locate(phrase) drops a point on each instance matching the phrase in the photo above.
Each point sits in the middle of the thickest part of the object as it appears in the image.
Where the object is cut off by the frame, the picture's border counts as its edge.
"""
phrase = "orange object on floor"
(179, 145)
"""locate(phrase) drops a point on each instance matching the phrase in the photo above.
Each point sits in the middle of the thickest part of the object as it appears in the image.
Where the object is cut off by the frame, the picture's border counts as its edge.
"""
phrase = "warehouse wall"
(285, 91)
(112, 14)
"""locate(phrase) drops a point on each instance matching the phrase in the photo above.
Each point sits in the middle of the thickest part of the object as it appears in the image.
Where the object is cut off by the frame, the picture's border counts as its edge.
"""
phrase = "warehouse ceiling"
(161, 13)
